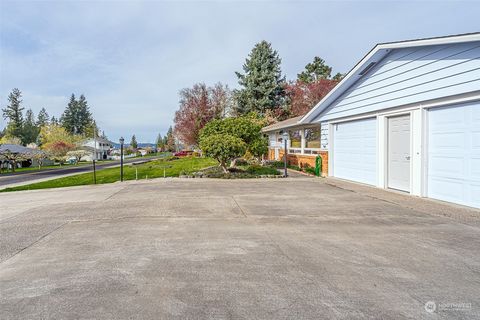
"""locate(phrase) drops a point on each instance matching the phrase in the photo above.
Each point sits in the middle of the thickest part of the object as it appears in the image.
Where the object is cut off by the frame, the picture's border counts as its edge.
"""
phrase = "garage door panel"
(475, 195)
(355, 151)
(454, 154)
(475, 168)
(447, 141)
(448, 167)
(445, 189)
(476, 140)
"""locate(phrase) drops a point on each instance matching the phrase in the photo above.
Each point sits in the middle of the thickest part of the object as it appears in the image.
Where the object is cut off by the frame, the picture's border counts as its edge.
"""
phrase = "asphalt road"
(236, 249)
(26, 176)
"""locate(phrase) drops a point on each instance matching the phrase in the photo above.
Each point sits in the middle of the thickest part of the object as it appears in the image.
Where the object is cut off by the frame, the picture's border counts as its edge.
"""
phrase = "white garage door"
(454, 154)
(355, 151)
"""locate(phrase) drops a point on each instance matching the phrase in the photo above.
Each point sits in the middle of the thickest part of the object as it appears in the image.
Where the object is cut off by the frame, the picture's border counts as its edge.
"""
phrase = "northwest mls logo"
(430, 306)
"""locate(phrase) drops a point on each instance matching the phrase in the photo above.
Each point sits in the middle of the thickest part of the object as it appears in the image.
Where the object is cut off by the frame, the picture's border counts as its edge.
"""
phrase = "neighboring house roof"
(16, 149)
(99, 140)
(371, 59)
(282, 124)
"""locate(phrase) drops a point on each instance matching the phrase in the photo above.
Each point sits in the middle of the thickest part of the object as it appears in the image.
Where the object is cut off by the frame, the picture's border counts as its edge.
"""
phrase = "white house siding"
(324, 135)
(411, 75)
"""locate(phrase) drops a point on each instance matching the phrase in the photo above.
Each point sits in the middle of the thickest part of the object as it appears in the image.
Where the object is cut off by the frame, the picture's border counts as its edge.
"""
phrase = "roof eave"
(376, 54)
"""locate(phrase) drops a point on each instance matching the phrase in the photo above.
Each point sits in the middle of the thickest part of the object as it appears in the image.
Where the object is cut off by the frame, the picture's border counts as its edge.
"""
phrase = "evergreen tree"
(133, 142)
(170, 140)
(30, 129)
(160, 142)
(338, 77)
(84, 116)
(68, 118)
(262, 82)
(42, 118)
(77, 118)
(14, 114)
(314, 71)
(54, 121)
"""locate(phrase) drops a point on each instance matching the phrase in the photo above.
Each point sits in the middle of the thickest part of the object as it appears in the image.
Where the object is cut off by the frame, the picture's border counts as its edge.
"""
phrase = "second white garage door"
(355, 150)
(454, 154)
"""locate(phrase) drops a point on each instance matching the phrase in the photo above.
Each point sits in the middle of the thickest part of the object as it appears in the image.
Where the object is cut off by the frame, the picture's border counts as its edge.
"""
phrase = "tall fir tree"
(43, 118)
(54, 121)
(30, 128)
(14, 114)
(170, 140)
(160, 142)
(263, 85)
(68, 117)
(84, 116)
(315, 71)
(133, 142)
(77, 118)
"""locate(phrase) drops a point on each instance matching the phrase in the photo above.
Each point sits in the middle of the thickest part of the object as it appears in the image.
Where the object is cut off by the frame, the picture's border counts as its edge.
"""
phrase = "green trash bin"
(318, 166)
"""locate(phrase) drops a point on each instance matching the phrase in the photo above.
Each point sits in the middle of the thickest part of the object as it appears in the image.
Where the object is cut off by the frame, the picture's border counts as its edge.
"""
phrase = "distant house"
(20, 156)
(406, 117)
(100, 149)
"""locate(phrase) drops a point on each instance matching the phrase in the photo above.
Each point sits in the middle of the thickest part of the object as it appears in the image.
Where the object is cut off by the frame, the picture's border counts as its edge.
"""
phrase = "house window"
(312, 138)
(295, 139)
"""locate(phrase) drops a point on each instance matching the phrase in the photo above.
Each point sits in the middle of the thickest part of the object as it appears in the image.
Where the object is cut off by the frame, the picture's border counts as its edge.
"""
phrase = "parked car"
(183, 153)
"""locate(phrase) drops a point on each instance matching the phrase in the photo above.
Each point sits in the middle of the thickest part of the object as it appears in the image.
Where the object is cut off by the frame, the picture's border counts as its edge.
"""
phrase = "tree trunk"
(224, 166)
(233, 164)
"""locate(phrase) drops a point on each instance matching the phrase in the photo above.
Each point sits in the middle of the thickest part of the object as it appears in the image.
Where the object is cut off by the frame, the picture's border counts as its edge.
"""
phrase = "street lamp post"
(285, 153)
(121, 158)
(94, 153)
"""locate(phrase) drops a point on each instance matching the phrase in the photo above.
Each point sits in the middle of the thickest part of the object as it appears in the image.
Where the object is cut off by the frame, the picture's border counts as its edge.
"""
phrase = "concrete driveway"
(241, 249)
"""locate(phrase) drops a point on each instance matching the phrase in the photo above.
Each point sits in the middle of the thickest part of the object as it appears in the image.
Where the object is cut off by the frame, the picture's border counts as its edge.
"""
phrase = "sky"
(131, 58)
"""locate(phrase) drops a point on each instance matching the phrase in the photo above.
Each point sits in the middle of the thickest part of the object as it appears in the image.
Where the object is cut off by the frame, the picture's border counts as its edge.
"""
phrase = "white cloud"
(131, 58)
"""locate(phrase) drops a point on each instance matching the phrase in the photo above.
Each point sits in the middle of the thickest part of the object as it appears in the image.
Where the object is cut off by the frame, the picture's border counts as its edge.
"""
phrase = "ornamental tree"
(78, 154)
(304, 96)
(247, 128)
(58, 150)
(223, 148)
(199, 105)
(53, 133)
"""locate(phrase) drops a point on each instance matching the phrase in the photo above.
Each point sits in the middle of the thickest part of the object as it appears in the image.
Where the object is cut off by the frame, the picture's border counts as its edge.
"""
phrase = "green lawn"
(154, 169)
(158, 154)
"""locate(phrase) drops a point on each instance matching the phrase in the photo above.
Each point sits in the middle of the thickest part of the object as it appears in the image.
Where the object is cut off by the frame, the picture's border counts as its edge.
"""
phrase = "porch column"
(302, 143)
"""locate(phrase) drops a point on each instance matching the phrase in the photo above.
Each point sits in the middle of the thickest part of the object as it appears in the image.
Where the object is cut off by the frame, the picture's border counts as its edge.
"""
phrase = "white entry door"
(355, 150)
(398, 175)
(454, 154)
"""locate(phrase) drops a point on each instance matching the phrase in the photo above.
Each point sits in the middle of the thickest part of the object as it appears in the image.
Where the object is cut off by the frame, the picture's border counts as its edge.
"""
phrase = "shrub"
(223, 148)
(259, 170)
(276, 164)
(295, 168)
(242, 162)
(247, 128)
